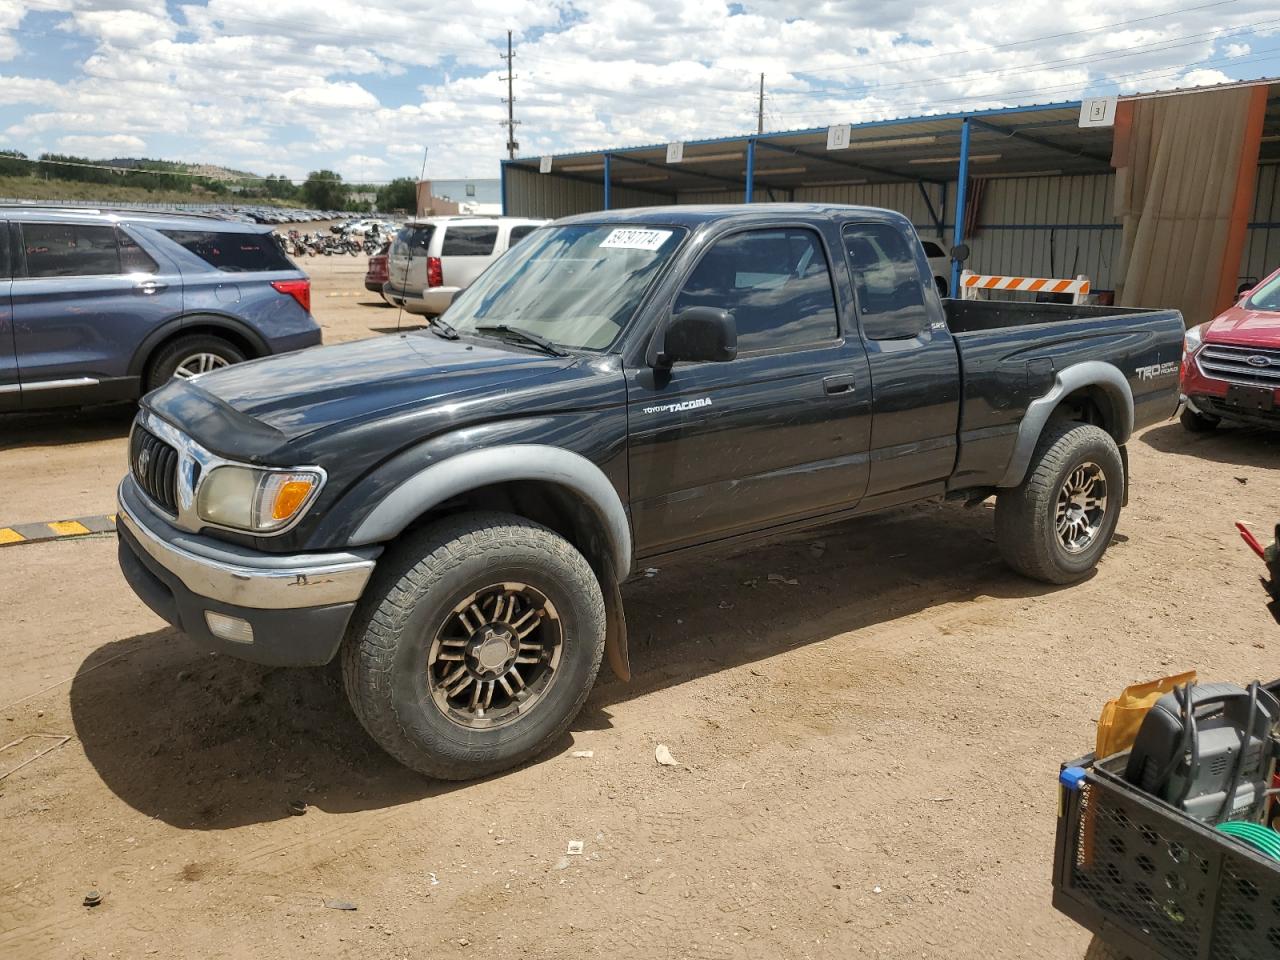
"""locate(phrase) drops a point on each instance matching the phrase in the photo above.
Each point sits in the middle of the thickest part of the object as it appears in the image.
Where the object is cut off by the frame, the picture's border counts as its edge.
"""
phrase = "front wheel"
(475, 646)
(1058, 522)
(1198, 422)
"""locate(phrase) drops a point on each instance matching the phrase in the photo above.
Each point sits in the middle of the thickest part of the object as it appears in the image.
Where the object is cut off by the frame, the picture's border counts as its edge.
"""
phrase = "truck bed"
(1012, 353)
(967, 316)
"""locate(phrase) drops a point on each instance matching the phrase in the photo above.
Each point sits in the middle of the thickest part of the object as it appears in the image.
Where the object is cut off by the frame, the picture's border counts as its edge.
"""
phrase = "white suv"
(433, 259)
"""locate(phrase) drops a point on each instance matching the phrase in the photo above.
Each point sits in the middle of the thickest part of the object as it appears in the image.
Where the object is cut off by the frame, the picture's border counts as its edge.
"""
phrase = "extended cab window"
(233, 252)
(5, 269)
(469, 241)
(70, 250)
(887, 281)
(776, 283)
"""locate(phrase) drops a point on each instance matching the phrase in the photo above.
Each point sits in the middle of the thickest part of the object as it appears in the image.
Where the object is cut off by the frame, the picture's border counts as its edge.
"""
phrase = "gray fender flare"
(1091, 373)
(458, 474)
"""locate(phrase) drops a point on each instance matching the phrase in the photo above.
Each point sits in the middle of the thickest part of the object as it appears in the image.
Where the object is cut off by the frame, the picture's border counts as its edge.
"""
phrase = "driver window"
(776, 283)
(886, 279)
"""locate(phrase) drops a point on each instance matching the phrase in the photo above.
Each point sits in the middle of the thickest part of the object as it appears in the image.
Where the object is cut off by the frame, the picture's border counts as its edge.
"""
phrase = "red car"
(378, 272)
(1231, 365)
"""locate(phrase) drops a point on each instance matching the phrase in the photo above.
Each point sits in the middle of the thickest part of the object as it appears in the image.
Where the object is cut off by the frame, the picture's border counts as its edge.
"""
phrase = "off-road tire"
(1098, 950)
(166, 362)
(1198, 422)
(1026, 533)
(415, 588)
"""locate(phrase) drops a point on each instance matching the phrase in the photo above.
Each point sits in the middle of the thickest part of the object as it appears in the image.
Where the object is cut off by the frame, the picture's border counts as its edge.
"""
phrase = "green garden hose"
(1263, 839)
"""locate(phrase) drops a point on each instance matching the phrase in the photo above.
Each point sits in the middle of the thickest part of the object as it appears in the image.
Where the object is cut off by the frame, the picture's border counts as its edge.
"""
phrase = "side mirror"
(960, 252)
(700, 335)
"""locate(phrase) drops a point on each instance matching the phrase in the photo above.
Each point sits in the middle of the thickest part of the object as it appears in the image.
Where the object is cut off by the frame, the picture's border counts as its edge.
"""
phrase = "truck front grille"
(1255, 366)
(154, 465)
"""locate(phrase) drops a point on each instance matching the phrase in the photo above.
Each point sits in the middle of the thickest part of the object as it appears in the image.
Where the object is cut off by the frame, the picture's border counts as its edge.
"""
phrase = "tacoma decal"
(678, 407)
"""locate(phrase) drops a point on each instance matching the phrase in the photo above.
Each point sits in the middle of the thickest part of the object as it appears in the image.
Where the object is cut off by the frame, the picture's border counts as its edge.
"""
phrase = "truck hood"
(1245, 327)
(256, 407)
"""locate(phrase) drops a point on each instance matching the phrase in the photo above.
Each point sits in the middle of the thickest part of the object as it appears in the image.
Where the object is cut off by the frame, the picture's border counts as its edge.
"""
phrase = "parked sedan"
(376, 274)
(1231, 365)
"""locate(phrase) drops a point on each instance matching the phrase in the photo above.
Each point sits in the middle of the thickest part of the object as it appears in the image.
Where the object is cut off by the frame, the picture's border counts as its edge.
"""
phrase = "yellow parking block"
(67, 528)
(9, 535)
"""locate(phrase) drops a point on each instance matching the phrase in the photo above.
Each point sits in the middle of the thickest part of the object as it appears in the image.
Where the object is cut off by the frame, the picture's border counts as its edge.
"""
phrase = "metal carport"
(1045, 183)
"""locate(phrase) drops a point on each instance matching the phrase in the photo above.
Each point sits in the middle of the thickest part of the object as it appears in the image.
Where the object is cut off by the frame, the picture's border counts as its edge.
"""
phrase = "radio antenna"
(408, 270)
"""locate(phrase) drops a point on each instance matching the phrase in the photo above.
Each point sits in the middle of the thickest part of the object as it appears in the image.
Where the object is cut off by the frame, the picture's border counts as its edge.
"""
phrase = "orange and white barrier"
(971, 283)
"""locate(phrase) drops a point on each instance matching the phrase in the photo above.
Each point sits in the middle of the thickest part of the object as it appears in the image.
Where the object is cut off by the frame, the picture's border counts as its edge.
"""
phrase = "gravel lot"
(867, 757)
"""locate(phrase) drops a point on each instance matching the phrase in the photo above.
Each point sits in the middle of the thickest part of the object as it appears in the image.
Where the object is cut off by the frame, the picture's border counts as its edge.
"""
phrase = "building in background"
(1049, 190)
(475, 197)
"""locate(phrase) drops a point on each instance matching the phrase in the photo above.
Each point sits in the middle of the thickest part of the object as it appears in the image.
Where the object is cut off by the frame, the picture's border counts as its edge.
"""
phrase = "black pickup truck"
(451, 511)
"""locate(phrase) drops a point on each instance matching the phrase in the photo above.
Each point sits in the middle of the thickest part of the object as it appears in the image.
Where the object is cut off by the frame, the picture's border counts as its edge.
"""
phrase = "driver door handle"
(836, 385)
(148, 287)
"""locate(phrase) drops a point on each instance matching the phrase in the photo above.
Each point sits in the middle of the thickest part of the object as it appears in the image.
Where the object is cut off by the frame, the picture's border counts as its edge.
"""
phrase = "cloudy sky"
(361, 86)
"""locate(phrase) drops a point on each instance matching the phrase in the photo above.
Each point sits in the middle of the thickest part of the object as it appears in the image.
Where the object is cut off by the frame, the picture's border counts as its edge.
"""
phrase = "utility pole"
(760, 108)
(511, 121)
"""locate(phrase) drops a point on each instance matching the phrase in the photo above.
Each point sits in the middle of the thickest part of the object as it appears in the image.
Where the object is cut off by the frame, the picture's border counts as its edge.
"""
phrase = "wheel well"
(1092, 405)
(233, 337)
(549, 504)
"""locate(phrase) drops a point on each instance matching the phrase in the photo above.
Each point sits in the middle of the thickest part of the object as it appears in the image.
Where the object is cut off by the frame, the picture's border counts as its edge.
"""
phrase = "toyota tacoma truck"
(451, 511)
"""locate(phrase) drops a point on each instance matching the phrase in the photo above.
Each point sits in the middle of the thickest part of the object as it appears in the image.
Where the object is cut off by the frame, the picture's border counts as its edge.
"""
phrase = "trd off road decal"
(678, 407)
(1156, 370)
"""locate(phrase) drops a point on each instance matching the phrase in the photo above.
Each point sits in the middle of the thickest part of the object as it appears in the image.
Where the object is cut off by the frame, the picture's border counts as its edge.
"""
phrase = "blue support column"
(751, 169)
(606, 181)
(957, 233)
(502, 169)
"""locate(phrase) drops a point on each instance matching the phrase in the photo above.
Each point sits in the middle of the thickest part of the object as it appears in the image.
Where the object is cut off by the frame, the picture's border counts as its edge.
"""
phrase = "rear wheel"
(475, 646)
(190, 356)
(1058, 522)
(1198, 422)
(1100, 950)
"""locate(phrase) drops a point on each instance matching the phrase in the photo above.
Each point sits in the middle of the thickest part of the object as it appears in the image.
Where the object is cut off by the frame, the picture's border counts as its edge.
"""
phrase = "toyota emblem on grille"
(144, 460)
(1258, 360)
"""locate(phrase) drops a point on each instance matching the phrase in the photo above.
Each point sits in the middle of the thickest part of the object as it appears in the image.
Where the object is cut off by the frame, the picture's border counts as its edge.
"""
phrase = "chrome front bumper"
(247, 578)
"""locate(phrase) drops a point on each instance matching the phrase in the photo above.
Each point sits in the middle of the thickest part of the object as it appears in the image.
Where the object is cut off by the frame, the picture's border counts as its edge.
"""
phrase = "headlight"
(256, 500)
(1192, 339)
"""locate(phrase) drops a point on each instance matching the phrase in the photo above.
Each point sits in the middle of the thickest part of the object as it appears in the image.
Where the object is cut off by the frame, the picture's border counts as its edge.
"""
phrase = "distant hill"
(34, 188)
(169, 166)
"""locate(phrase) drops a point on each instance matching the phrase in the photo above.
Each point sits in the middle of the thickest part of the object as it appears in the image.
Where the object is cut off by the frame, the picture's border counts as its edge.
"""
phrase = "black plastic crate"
(1155, 884)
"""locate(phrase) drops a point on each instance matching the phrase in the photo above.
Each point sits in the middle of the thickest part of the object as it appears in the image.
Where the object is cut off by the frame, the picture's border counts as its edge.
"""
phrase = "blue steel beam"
(606, 181)
(957, 236)
(751, 169)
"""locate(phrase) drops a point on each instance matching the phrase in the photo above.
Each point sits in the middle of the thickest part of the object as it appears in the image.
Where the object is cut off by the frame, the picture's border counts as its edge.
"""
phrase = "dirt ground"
(867, 756)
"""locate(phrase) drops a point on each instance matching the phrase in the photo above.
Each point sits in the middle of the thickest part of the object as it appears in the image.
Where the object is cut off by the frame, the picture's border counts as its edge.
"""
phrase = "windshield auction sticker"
(632, 239)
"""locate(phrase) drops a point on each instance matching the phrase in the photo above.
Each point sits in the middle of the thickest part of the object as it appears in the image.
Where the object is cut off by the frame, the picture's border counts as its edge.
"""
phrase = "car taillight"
(300, 290)
(435, 275)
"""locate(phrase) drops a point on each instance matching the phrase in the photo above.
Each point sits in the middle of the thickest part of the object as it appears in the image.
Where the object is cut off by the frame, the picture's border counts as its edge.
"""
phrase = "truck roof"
(695, 215)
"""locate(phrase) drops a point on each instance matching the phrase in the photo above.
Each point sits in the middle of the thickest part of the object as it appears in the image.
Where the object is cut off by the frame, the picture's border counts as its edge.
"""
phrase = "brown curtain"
(1182, 164)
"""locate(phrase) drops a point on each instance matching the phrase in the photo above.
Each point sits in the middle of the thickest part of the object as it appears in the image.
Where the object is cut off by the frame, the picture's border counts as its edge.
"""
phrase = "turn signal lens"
(290, 493)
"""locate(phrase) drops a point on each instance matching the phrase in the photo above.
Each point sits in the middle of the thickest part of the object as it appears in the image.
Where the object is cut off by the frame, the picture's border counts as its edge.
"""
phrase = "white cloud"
(104, 147)
(333, 96)
(1203, 78)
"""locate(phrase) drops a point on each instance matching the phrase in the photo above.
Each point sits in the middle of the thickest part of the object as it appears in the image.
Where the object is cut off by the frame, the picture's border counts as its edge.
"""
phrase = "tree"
(399, 194)
(324, 190)
(13, 163)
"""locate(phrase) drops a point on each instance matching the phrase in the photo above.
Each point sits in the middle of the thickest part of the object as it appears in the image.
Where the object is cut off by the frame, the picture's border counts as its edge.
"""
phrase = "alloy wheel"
(495, 655)
(1081, 507)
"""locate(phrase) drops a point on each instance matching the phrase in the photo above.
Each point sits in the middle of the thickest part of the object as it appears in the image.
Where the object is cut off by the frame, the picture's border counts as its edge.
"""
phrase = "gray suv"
(100, 306)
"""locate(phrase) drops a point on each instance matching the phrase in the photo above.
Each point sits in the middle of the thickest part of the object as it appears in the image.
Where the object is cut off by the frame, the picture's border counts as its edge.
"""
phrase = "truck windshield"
(577, 286)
